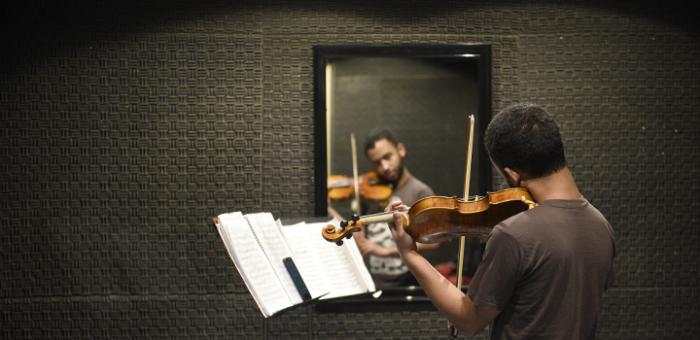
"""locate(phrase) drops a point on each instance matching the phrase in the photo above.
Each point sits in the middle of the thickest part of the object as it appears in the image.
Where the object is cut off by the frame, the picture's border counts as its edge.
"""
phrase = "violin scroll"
(336, 234)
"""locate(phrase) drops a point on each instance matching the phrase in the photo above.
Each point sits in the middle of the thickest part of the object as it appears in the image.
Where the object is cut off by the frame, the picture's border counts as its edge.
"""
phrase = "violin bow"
(329, 114)
(467, 181)
(355, 177)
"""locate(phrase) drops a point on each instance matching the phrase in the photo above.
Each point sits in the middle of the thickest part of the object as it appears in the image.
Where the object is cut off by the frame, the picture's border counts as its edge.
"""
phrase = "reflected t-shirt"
(390, 271)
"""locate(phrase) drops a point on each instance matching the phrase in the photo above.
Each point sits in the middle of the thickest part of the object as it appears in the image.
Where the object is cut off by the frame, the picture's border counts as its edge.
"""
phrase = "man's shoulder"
(555, 217)
(520, 225)
(413, 190)
(415, 184)
(516, 221)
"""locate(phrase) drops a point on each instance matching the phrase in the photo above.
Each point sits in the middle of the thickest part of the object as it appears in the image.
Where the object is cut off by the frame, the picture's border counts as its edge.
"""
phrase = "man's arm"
(368, 247)
(459, 309)
(456, 306)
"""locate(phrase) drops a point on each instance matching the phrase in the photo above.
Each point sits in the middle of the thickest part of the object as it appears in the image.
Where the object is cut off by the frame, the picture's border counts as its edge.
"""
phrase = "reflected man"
(387, 155)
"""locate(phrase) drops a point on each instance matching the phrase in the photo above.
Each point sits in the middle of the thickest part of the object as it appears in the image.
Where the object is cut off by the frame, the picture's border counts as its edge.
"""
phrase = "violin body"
(371, 187)
(340, 188)
(436, 219)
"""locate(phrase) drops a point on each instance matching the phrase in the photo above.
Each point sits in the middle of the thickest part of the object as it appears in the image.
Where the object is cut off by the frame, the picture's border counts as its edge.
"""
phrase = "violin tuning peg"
(343, 224)
(348, 236)
(339, 243)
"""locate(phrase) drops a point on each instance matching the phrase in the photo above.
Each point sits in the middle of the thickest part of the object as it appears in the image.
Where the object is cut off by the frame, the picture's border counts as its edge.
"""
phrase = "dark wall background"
(125, 126)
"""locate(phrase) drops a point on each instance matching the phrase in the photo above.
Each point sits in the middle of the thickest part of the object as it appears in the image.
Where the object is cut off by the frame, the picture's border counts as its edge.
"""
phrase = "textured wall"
(124, 127)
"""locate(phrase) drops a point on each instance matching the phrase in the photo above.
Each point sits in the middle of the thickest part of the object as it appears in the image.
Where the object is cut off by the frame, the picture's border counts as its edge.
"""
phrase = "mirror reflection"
(396, 119)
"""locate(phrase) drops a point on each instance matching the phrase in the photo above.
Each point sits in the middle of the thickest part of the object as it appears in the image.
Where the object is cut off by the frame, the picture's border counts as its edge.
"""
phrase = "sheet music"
(309, 264)
(275, 249)
(250, 260)
(354, 253)
(340, 266)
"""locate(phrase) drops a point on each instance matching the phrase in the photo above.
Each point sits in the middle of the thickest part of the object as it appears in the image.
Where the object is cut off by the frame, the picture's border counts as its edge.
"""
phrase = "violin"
(436, 219)
(371, 187)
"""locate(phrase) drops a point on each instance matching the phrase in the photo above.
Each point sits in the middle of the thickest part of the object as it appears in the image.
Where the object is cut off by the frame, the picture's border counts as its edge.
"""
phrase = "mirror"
(423, 94)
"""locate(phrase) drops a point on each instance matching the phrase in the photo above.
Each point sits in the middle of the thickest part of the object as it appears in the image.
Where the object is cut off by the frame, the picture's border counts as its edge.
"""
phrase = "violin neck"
(378, 217)
(340, 184)
(350, 182)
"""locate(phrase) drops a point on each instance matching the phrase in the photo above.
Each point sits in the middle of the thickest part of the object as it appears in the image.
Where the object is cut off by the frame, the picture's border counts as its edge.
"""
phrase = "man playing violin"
(387, 155)
(544, 270)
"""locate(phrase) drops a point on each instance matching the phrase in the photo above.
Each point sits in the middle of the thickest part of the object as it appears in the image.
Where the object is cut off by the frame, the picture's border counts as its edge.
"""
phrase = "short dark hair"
(526, 138)
(378, 134)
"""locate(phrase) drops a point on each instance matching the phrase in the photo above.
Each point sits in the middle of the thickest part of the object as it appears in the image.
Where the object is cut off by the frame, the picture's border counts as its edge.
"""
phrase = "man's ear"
(513, 175)
(401, 149)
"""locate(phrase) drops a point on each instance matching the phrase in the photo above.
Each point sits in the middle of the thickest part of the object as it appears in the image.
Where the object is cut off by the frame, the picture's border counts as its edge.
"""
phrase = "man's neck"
(559, 185)
(405, 176)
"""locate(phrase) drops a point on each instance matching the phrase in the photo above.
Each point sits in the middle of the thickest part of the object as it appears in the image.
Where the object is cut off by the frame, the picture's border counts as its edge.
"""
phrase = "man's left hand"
(404, 241)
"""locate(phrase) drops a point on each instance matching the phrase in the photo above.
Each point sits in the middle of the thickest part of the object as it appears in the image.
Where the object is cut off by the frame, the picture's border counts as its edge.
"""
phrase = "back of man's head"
(524, 137)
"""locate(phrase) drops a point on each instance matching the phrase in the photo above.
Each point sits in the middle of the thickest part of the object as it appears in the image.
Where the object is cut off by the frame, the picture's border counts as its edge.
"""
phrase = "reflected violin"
(436, 219)
(371, 187)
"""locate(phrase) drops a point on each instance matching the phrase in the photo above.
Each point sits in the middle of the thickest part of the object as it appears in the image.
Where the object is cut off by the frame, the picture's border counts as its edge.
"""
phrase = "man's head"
(386, 154)
(524, 141)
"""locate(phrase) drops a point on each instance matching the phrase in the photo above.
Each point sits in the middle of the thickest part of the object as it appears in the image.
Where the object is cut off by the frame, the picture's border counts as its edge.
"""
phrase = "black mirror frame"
(399, 298)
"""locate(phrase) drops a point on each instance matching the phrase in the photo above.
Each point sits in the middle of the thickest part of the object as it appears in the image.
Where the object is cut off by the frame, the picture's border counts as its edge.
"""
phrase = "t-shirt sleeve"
(498, 273)
(425, 192)
(417, 192)
(611, 275)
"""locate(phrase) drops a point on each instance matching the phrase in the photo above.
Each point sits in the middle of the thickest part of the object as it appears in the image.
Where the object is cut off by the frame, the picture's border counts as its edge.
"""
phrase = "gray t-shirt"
(390, 271)
(546, 270)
